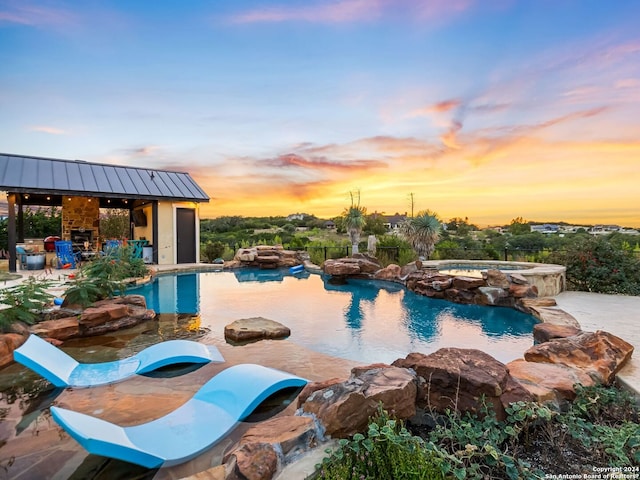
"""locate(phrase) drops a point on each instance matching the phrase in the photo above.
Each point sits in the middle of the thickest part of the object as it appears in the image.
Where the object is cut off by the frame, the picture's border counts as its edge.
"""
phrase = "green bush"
(213, 250)
(388, 451)
(25, 302)
(594, 264)
(105, 277)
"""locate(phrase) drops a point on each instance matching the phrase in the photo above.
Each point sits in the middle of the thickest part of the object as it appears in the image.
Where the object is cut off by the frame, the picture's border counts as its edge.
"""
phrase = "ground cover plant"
(598, 431)
(25, 302)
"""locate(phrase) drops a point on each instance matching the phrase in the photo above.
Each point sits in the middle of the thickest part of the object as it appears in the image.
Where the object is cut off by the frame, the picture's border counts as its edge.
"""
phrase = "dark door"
(186, 235)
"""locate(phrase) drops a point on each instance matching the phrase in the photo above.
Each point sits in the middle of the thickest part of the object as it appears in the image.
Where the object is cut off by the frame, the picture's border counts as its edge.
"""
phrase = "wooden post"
(11, 231)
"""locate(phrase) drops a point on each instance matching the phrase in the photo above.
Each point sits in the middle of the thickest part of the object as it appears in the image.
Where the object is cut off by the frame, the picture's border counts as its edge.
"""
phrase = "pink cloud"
(345, 11)
(49, 130)
(293, 160)
(34, 15)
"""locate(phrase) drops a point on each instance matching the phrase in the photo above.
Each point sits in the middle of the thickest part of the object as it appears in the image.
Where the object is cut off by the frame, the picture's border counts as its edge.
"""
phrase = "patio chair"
(64, 371)
(111, 247)
(65, 254)
(183, 434)
(136, 247)
(22, 257)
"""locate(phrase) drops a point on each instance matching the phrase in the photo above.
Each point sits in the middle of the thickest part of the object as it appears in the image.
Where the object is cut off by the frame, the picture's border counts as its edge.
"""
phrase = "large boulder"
(543, 332)
(254, 329)
(344, 408)
(359, 264)
(60, 329)
(8, 343)
(266, 256)
(110, 317)
(554, 316)
(391, 272)
(467, 283)
(459, 379)
(599, 354)
(496, 278)
(255, 461)
(105, 313)
(291, 433)
(491, 296)
(548, 382)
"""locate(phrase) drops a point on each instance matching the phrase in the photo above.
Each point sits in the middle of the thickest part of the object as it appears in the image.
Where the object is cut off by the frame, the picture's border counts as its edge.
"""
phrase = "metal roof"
(23, 174)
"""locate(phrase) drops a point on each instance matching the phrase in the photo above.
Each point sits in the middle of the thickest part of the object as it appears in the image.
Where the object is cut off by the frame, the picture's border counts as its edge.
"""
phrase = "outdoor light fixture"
(26, 196)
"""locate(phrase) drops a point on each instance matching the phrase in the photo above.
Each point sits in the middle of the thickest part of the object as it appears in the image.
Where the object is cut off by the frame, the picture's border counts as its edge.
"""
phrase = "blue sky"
(485, 109)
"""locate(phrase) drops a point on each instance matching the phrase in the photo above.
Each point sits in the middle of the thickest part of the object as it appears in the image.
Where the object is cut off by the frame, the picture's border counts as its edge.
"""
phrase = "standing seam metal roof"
(36, 174)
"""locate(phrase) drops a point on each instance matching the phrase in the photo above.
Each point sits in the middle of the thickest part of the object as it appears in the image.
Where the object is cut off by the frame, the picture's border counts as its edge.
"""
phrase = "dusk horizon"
(486, 110)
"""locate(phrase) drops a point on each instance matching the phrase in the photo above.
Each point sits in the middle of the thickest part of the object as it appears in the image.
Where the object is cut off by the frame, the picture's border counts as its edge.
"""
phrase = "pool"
(362, 320)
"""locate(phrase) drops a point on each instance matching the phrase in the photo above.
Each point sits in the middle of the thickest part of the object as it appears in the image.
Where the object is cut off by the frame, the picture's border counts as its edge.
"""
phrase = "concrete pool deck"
(616, 314)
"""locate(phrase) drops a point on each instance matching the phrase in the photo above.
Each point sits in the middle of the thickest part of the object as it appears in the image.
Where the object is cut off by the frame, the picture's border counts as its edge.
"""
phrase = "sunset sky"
(487, 109)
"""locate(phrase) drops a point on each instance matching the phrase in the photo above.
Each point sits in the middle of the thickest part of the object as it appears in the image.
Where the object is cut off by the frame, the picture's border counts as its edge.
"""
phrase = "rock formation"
(253, 329)
(344, 408)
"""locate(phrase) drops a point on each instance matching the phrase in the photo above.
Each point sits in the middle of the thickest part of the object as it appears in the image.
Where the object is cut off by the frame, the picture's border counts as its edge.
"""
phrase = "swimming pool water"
(363, 320)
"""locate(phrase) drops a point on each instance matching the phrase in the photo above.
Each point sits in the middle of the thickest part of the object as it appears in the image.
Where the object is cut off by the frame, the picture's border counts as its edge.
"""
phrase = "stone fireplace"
(81, 220)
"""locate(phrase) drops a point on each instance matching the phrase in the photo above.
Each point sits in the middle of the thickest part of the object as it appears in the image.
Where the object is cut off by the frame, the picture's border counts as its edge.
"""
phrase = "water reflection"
(356, 319)
(268, 275)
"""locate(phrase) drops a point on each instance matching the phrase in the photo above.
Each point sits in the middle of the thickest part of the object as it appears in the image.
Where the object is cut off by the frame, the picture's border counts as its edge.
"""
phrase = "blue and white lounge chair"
(183, 434)
(64, 371)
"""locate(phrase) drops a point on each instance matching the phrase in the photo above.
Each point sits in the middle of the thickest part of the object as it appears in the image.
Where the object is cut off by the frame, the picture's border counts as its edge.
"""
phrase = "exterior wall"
(166, 235)
(145, 233)
(81, 213)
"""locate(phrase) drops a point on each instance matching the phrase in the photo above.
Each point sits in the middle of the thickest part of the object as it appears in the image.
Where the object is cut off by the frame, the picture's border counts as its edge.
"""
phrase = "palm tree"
(354, 221)
(422, 232)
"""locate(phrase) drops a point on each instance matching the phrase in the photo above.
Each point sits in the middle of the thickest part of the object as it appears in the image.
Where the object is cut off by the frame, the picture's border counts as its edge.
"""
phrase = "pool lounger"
(183, 434)
(64, 371)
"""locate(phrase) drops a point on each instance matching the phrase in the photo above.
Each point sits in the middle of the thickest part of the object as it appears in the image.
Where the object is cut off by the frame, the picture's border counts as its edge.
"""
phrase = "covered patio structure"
(162, 204)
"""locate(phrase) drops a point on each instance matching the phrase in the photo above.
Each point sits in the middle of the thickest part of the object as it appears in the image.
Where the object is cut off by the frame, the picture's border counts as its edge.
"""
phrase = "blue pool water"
(368, 321)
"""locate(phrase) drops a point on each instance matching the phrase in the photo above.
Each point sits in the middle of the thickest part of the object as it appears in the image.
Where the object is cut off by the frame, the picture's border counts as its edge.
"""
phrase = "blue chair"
(65, 254)
(111, 247)
(136, 247)
(64, 371)
(22, 257)
(192, 428)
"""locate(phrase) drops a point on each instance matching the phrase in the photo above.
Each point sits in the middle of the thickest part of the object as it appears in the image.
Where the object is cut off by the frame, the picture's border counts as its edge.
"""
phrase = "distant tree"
(374, 225)
(528, 241)
(42, 222)
(518, 226)
(460, 226)
(354, 220)
(114, 223)
(422, 232)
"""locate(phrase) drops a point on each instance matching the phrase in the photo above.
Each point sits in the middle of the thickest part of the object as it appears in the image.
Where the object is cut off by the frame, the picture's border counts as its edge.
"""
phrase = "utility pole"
(412, 200)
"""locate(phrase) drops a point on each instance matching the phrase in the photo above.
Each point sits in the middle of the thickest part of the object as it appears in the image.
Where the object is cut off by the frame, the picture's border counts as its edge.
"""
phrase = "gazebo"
(163, 205)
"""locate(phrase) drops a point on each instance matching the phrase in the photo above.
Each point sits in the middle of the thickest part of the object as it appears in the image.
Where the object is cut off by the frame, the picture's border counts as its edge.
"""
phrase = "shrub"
(25, 302)
(596, 265)
(388, 451)
(213, 250)
(104, 277)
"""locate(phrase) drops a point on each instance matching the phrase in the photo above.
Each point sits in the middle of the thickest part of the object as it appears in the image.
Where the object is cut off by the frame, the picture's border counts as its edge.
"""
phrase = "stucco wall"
(166, 237)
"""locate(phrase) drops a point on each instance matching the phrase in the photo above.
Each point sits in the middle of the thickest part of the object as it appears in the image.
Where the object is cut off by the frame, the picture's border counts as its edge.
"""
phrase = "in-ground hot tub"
(550, 279)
